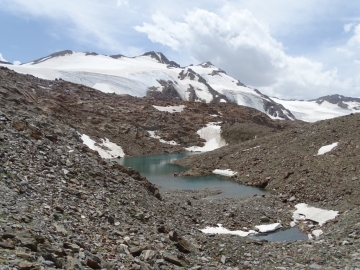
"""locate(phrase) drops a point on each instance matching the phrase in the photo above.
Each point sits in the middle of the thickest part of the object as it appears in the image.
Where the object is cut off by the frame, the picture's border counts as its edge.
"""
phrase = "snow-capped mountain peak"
(207, 65)
(153, 74)
(53, 55)
(161, 59)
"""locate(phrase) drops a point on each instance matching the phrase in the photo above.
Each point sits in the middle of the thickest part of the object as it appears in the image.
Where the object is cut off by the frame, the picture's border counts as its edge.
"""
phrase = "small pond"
(292, 234)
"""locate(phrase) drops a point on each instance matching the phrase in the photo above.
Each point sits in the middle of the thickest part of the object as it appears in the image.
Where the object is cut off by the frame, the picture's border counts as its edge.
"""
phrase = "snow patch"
(152, 135)
(268, 227)
(327, 148)
(317, 233)
(262, 228)
(227, 172)
(106, 149)
(170, 109)
(318, 215)
(211, 133)
(222, 230)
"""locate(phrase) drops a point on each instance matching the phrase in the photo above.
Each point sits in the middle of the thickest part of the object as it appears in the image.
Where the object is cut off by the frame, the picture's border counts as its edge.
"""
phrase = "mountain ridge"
(153, 74)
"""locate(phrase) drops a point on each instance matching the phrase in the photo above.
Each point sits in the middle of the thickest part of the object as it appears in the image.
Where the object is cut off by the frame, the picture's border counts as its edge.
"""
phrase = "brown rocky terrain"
(63, 207)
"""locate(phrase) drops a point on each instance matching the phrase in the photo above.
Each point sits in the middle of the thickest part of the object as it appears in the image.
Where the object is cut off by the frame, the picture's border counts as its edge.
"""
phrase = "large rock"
(183, 245)
(7, 244)
(171, 259)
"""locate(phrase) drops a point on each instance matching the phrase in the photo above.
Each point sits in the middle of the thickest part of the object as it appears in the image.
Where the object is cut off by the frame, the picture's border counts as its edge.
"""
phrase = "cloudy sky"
(290, 49)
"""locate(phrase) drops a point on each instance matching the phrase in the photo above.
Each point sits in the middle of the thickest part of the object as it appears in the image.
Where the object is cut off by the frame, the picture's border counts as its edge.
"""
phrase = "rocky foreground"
(63, 207)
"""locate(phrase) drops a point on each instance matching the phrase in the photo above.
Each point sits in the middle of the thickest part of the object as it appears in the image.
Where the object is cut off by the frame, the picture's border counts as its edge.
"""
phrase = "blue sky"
(290, 49)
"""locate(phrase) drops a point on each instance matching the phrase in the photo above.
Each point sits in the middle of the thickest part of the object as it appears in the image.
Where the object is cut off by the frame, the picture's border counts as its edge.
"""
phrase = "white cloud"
(90, 22)
(355, 39)
(2, 58)
(350, 49)
(237, 42)
(164, 31)
(122, 3)
(345, 51)
(348, 27)
(16, 63)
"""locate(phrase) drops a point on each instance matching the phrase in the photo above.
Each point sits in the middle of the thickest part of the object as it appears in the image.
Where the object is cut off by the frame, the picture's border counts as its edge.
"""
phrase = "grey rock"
(264, 219)
(171, 259)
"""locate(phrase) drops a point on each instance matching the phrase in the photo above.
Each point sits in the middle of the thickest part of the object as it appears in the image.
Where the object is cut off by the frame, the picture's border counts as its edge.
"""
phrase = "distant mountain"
(5, 63)
(321, 108)
(341, 101)
(152, 74)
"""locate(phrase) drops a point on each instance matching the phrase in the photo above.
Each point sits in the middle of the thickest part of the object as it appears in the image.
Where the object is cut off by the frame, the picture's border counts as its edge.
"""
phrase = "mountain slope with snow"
(152, 74)
(322, 108)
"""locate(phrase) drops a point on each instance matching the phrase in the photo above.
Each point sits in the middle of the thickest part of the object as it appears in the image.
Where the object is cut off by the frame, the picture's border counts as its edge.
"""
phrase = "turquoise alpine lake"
(160, 170)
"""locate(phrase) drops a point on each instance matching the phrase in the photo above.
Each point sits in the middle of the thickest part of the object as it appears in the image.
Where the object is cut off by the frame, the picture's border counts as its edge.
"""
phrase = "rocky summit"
(65, 207)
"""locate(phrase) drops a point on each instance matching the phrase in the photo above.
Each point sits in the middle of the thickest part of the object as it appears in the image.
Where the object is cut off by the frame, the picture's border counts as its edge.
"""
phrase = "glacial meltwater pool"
(160, 170)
